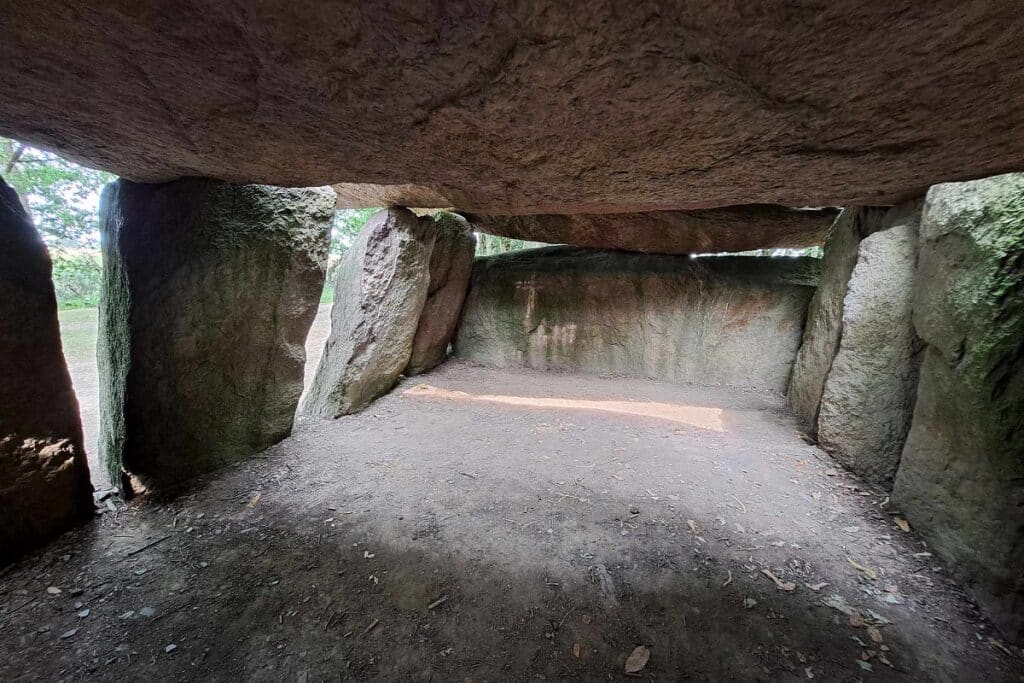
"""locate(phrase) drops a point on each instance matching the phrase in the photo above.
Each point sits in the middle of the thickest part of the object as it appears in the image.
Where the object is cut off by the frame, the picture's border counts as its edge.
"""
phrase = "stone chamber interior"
(706, 432)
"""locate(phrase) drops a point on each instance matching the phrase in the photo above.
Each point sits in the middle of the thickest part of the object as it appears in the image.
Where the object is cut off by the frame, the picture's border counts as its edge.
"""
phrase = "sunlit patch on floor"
(693, 416)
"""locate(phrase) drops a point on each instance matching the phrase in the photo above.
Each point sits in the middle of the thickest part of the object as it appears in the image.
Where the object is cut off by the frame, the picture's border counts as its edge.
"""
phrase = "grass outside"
(78, 333)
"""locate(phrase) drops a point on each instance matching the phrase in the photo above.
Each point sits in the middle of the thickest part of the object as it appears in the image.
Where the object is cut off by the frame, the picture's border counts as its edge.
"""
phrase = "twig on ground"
(147, 546)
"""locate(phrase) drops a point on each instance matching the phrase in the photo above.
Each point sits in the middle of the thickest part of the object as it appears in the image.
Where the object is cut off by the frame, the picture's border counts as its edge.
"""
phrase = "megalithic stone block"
(868, 400)
(825, 314)
(378, 298)
(451, 264)
(209, 292)
(44, 478)
(715, 320)
(961, 479)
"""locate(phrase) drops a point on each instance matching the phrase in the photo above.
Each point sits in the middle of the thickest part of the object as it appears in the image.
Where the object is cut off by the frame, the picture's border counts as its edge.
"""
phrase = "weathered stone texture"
(451, 263)
(528, 107)
(715, 320)
(44, 479)
(868, 398)
(379, 295)
(738, 228)
(961, 479)
(209, 292)
(825, 316)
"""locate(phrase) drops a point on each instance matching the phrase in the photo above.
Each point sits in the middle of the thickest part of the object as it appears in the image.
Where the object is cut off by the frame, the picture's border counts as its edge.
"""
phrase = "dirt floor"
(537, 526)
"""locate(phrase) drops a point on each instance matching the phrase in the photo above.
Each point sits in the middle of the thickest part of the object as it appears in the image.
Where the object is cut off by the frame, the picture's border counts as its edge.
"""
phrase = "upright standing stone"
(714, 320)
(869, 394)
(825, 315)
(378, 297)
(451, 264)
(209, 292)
(961, 479)
(44, 478)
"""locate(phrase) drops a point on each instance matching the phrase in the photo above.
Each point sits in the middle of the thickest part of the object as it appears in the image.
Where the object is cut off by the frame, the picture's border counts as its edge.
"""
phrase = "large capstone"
(527, 107)
(381, 287)
(451, 263)
(825, 317)
(44, 479)
(715, 320)
(961, 479)
(209, 291)
(869, 394)
(740, 228)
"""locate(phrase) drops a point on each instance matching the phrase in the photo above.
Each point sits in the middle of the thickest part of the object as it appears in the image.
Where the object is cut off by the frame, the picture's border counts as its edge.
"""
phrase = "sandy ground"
(485, 525)
(78, 333)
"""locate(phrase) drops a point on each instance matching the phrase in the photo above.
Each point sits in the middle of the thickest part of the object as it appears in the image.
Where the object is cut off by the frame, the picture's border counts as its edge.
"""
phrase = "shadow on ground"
(438, 539)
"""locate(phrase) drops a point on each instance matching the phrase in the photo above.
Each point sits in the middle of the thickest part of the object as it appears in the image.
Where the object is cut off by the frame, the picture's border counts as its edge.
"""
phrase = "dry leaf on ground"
(868, 571)
(637, 659)
(782, 585)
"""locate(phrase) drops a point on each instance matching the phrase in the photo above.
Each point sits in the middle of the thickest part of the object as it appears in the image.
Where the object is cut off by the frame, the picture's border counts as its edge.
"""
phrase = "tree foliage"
(347, 225)
(489, 245)
(61, 196)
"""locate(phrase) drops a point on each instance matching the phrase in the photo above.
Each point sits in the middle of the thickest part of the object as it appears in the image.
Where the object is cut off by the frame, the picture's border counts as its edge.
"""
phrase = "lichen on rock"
(209, 292)
(961, 478)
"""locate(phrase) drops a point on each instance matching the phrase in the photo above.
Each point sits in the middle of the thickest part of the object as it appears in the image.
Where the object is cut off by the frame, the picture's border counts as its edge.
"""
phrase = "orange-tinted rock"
(44, 478)
(739, 228)
(528, 107)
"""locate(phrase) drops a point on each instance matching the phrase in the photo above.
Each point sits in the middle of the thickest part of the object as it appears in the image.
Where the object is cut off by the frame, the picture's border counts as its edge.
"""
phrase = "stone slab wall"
(451, 264)
(44, 478)
(209, 292)
(825, 317)
(714, 320)
(868, 397)
(961, 479)
(379, 295)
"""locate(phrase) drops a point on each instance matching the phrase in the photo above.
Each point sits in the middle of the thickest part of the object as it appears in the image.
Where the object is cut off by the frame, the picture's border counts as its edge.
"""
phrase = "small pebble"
(170, 648)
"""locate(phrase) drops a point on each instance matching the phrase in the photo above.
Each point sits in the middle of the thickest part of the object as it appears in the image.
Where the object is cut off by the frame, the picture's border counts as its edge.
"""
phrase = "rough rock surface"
(869, 394)
(44, 479)
(209, 291)
(451, 263)
(715, 320)
(378, 298)
(825, 316)
(528, 107)
(961, 479)
(740, 228)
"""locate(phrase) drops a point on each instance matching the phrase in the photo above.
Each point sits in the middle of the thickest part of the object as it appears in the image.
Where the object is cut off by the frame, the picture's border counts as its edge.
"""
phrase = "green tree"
(63, 199)
(61, 196)
(489, 245)
(347, 225)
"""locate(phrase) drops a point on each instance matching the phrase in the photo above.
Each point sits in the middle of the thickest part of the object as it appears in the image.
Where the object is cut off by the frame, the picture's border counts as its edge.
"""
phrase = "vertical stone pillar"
(961, 478)
(825, 315)
(451, 264)
(209, 292)
(378, 298)
(44, 478)
(868, 399)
